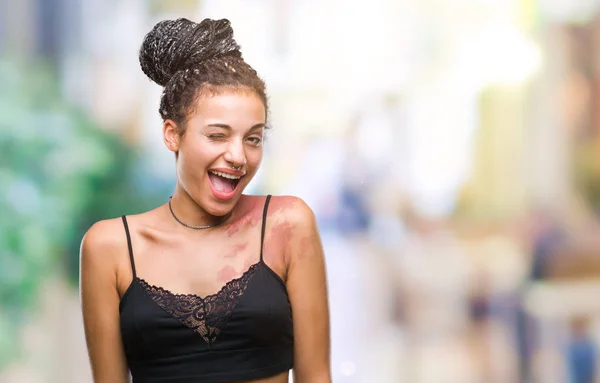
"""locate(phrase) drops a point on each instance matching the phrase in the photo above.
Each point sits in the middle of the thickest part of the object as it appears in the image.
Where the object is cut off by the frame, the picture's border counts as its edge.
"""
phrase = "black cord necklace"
(195, 227)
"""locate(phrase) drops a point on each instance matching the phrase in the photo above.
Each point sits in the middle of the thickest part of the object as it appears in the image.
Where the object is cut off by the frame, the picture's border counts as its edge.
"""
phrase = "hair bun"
(174, 45)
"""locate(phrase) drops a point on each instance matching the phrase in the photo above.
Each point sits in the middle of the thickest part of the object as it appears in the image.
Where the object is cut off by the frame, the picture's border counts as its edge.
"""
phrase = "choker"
(195, 227)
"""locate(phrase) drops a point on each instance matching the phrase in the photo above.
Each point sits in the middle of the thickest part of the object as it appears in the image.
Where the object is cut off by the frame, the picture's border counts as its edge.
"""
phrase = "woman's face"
(221, 149)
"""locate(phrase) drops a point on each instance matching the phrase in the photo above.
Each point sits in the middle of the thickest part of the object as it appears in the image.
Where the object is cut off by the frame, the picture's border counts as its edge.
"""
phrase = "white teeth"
(225, 175)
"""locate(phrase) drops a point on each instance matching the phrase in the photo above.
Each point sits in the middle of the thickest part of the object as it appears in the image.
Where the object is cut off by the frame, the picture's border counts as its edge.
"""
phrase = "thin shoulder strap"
(264, 223)
(129, 245)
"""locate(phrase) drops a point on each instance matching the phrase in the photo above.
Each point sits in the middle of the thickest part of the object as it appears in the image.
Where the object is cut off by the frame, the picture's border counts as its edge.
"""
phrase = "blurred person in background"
(581, 352)
(246, 274)
(547, 236)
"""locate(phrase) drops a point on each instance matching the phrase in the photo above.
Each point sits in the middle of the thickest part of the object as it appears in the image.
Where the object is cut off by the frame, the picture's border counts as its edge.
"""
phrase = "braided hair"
(190, 60)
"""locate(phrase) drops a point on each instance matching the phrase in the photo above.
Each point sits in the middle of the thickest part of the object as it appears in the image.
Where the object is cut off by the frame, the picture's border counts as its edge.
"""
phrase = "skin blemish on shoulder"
(248, 220)
(236, 250)
(285, 203)
(278, 238)
(305, 245)
(281, 234)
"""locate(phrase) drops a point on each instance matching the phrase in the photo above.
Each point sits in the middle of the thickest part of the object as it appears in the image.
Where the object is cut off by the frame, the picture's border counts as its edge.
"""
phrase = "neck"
(187, 212)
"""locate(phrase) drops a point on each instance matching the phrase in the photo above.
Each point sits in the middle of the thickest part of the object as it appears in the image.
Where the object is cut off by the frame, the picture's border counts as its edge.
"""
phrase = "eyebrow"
(225, 126)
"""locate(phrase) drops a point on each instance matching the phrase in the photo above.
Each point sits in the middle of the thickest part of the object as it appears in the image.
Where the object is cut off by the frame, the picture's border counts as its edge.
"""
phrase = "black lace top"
(242, 332)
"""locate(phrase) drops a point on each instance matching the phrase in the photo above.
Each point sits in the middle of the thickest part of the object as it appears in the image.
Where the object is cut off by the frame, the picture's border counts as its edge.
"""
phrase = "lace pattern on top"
(207, 316)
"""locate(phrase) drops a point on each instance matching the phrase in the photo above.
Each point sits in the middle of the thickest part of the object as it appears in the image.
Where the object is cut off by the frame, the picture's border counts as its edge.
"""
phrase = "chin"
(220, 207)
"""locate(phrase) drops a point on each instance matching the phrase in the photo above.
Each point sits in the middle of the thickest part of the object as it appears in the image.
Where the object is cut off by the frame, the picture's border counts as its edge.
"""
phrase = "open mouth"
(223, 182)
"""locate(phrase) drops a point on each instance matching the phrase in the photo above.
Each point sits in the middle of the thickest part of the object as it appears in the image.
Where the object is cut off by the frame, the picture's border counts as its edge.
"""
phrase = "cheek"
(196, 155)
(254, 156)
(191, 166)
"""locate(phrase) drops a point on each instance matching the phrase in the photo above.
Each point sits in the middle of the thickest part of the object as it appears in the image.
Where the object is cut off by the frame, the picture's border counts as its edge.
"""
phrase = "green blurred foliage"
(59, 173)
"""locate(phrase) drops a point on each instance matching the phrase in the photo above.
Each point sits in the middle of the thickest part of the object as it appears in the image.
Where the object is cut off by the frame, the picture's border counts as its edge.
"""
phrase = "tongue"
(222, 184)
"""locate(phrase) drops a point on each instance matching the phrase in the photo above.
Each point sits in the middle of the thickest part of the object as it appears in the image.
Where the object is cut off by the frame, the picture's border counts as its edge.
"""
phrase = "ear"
(171, 135)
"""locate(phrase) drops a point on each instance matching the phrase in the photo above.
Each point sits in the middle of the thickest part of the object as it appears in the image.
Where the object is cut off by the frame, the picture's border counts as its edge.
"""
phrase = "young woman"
(213, 286)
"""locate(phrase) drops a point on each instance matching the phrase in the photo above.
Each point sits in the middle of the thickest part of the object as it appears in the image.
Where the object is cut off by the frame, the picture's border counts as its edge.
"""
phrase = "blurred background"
(450, 150)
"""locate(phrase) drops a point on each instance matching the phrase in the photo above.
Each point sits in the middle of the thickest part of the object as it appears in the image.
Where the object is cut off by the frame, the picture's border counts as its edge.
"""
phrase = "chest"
(198, 267)
(250, 311)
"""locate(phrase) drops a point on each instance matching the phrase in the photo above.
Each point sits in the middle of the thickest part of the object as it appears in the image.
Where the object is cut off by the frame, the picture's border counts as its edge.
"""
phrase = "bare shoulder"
(294, 211)
(105, 235)
(103, 242)
(296, 226)
(306, 285)
(99, 295)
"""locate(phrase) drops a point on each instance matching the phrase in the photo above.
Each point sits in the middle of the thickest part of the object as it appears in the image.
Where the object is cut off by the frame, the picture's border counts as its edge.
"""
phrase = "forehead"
(237, 108)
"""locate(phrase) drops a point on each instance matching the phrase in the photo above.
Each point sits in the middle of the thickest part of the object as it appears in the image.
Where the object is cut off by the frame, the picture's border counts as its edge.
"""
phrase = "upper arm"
(100, 302)
(307, 289)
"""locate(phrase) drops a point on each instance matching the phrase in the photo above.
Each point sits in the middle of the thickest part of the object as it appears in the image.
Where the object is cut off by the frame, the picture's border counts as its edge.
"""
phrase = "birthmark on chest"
(236, 250)
(228, 273)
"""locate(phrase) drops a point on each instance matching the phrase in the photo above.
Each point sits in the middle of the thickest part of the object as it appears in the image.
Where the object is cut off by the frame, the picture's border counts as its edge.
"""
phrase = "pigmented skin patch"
(305, 245)
(283, 234)
(285, 203)
(226, 274)
(279, 235)
(236, 250)
(251, 219)
(277, 240)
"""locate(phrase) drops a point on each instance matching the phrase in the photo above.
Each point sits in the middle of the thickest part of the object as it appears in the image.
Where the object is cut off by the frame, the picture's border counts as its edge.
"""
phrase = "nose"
(235, 153)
